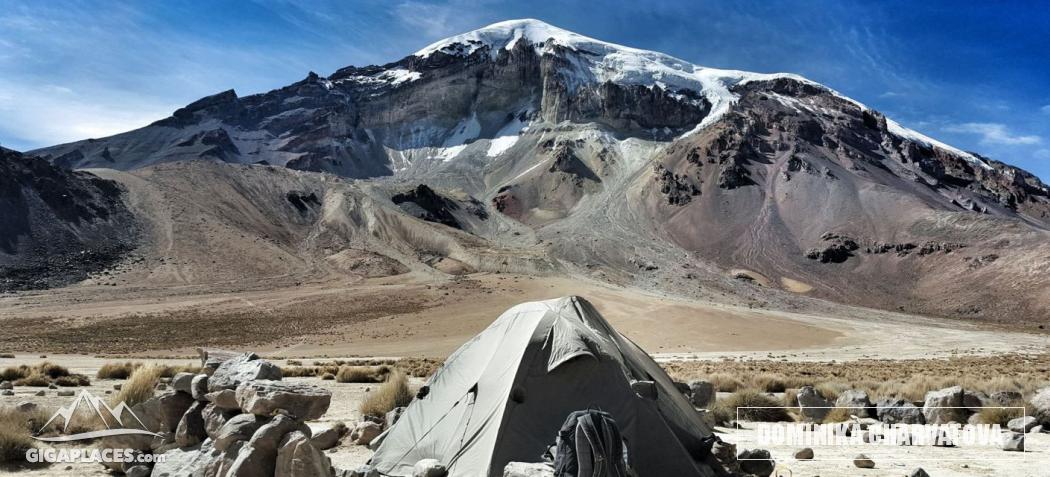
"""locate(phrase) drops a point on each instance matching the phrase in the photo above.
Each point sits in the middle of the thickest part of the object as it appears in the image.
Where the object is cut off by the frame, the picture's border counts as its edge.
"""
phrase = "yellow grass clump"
(16, 427)
(751, 405)
(140, 385)
(362, 374)
(116, 370)
(387, 396)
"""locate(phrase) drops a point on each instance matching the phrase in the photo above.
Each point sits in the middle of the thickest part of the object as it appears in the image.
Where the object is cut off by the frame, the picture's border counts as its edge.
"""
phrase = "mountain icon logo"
(96, 407)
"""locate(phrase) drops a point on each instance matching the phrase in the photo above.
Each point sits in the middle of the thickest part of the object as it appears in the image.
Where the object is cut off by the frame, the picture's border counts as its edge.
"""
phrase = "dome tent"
(503, 395)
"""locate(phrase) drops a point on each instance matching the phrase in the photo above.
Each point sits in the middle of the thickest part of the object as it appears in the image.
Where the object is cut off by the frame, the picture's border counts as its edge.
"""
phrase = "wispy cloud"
(1045, 109)
(993, 133)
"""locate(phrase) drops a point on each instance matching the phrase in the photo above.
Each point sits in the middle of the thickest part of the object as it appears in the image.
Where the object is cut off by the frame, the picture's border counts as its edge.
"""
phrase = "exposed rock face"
(247, 367)
(856, 402)
(263, 397)
(58, 227)
(944, 406)
(812, 404)
(702, 393)
(559, 135)
(899, 411)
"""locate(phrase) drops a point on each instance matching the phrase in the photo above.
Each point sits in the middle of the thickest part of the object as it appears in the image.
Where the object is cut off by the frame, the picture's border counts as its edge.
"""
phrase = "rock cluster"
(237, 419)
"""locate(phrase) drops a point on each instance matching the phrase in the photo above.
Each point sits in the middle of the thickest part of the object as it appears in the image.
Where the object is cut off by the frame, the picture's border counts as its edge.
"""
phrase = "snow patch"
(506, 137)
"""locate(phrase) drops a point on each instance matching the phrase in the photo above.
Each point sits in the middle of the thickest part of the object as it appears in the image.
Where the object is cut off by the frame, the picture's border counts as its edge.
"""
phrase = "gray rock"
(7, 392)
(863, 462)
(330, 437)
(757, 462)
(702, 393)
(62, 393)
(365, 432)
(1041, 403)
(363, 471)
(264, 397)
(856, 403)
(215, 417)
(944, 406)
(804, 454)
(1014, 442)
(429, 468)
(527, 469)
(1006, 398)
(1022, 424)
(246, 367)
(725, 454)
(899, 411)
(163, 412)
(199, 387)
(184, 462)
(812, 404)
(224, 399)
(298, 457)
(138, 471)
(191, 429)
(6, 385)
(974, 401)
(258, 456)
(919, 473)
(40, 393)
(182, 382)
(238, 428)
(26, 406)
(392, 417)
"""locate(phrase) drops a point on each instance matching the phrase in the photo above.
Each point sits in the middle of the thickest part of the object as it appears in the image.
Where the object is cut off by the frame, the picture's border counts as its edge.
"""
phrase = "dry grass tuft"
(139, 387)
(34, 380)
(362, 374)
(328, 377)
(116, 370)
(838, 414)
(994, 415)
(15, 373)
(387, 396)
(725, 383)
(73, 380)
(16, 427)
(768, 408)
(769, 383)
(6, 355)
(294, 362)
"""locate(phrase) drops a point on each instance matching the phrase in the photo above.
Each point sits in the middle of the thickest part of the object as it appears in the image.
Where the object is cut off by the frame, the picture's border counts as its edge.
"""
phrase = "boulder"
(862, 461)
(40, 393)
(919, 473)
(238, 428)
(184, 462)
(429, 468)
(756, 462)
(804, 454)
(1006, 398)
(264, 397)
(163, 412)
(528, 469)
(702, 393)
(725, 454)
(899, 411)
(199, 387)
(298, 457)
(59, 394)
(1014, 442)
(246, 367)
(182, 382)
(26, 406)
(191, 428)
(258, 456)
(330, 437)
(974, 401)
(683, 388)
(812, 405)
(138, 471)
(1022, 424)
(365, 432)
(225, 399)
(6, 385)
(392, 417)
(856, 403)
(215, 417)
(1041, 403)
(944, 406)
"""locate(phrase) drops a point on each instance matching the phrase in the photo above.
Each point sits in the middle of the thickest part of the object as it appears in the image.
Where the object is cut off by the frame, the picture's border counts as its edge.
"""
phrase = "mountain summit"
(544, 151)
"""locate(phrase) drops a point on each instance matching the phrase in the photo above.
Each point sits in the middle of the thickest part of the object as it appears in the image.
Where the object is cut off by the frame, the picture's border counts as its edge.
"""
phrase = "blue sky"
(975, 75)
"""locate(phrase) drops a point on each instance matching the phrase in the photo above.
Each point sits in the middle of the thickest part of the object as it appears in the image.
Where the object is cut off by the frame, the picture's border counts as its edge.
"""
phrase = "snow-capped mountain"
(635, 167)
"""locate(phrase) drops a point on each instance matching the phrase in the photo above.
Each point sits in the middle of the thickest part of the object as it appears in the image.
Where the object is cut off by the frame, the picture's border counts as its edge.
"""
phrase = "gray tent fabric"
(503, 395)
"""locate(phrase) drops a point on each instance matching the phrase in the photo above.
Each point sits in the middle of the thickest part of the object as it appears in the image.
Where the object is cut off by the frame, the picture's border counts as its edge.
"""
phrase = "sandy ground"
(416, 316)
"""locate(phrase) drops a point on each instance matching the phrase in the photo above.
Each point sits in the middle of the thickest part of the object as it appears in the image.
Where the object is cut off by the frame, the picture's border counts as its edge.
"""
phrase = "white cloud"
(44, 115)
(993, 133)
(1045, 109)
